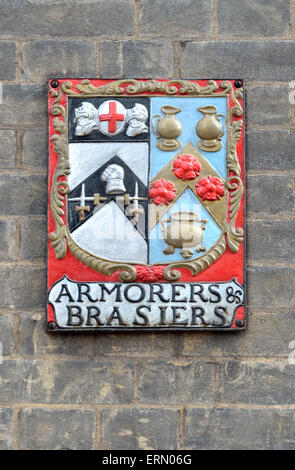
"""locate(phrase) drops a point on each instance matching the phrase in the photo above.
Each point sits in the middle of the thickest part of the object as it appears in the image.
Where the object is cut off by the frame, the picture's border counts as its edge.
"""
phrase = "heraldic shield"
(146, 187)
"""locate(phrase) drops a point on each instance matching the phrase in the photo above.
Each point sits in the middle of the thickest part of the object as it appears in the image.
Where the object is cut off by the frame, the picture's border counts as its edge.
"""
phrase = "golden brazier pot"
(186, 231)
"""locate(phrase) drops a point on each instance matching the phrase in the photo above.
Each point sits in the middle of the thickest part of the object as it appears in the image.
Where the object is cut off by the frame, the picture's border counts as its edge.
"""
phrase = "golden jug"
(186, 231)
(168, 128)
(210, 129)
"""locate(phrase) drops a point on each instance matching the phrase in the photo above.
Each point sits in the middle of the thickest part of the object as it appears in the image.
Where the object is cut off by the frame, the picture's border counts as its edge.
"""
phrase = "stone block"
(7, 149)
(7, 345)
(7, 240)
(22, 287)
(251, 60)
(270, 240)
(171, 17)
(6, 428)
(35, 149)
(270, 195)
(267, 105)
(24, 104)
(260, 383)
(67, 18)
(267, 335)
(23, 194)
(33, 238)
(146, 60)
(34, 340)
(110, 59)
(254, 18)
(270, 287)
(270, 149)
(140, 429)
(136, 344)
(56, 429)
(239, 429)
(66, 382)
(46, 59)
(8, 60)
(177, 383)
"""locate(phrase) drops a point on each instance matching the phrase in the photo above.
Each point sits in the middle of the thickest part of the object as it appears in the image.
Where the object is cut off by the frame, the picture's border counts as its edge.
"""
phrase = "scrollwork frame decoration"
(61, 239)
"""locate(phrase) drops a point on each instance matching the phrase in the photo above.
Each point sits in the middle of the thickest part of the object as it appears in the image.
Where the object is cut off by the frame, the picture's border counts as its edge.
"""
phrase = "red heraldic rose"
(162, 192)
(149, 274)
(210, 188)
(186, 167)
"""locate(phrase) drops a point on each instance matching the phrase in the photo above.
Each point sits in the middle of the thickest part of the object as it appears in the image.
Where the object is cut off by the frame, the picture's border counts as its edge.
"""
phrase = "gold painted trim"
(59, 186)
(234, 182)
(133, 87)
(61, 237)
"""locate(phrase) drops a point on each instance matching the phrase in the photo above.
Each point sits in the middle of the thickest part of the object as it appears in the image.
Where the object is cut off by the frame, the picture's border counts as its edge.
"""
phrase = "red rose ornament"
(162, 192)
(149, 274)
(210, 188)
(186, 167)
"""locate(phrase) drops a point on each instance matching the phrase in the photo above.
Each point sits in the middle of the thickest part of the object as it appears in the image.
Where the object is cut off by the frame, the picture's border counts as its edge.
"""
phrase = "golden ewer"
(210, 129)
(168, 128)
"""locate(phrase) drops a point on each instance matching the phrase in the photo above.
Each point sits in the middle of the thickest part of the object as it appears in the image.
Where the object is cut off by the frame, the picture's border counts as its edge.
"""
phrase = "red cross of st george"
(112, 117)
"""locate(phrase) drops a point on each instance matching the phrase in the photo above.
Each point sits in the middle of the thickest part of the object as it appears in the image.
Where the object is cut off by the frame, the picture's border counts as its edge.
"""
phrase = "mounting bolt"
(240, 323)
(54, 83)
(238, 83)
(51, 325)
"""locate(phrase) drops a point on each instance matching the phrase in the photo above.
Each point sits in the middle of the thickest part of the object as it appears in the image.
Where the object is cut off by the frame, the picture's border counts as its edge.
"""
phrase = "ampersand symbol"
(233, 296)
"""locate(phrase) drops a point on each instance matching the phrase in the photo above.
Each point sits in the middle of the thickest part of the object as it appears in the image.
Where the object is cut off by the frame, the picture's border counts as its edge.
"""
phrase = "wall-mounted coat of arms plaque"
(146, 205)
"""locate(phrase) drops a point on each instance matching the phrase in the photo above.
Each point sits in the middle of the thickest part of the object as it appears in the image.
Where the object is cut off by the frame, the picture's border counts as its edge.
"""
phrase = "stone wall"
(147, 391)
